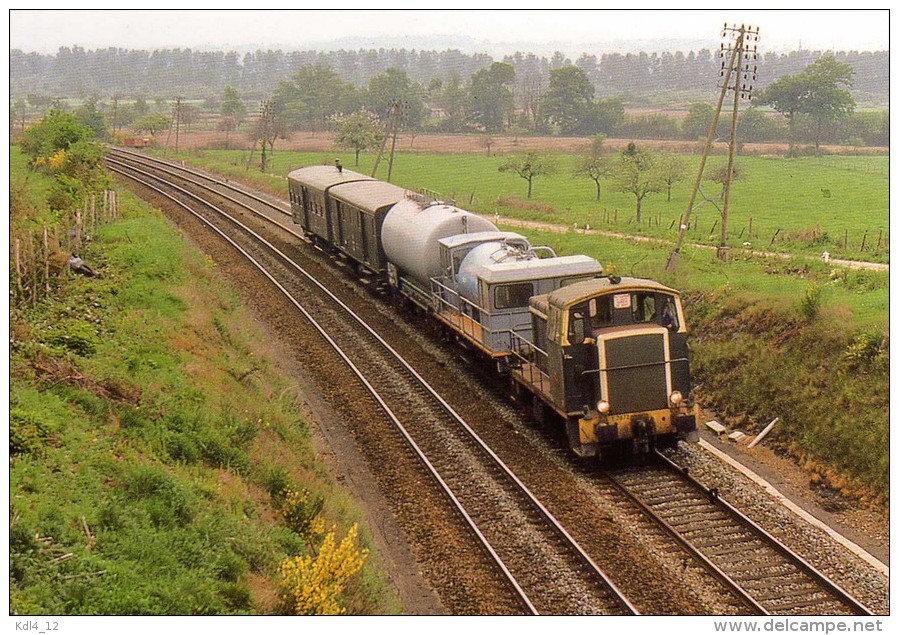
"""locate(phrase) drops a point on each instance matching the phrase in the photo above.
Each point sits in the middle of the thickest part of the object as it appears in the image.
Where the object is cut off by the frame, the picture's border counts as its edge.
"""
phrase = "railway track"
(547, 569)
(774, 586)
(765, 574)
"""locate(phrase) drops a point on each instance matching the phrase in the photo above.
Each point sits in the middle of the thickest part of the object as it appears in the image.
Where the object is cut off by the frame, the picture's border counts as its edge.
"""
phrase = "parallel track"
(765, 574)
(552, 575)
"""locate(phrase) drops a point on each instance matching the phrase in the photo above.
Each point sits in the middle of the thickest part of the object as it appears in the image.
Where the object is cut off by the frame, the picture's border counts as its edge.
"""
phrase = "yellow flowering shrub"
(57, 161)
(302, 513)
(312, 584)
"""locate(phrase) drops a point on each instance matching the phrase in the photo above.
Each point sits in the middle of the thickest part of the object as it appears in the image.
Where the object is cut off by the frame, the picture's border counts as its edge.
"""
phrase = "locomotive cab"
(610, 357)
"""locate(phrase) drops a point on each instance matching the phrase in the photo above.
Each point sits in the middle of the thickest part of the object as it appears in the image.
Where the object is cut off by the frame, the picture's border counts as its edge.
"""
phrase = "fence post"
(17, 246)
(750, 228)
(46, 260)
(77, 242)
(864, 240)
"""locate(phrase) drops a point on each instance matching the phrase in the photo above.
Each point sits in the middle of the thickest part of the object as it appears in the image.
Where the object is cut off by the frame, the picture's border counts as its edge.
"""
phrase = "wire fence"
(41, 258)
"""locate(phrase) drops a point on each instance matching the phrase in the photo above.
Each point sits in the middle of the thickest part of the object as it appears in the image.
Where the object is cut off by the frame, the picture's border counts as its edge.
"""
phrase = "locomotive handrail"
(630, 366)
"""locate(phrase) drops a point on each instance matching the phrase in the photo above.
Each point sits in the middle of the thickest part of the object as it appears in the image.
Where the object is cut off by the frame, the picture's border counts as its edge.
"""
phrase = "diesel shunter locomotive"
(606, 356)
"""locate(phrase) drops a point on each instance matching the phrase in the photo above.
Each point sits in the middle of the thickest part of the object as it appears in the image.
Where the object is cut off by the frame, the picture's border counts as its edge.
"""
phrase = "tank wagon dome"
(321, 177)
(412, 231)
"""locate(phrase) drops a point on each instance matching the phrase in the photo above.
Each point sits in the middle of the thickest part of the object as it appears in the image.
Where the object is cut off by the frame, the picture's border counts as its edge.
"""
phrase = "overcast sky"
(46, 31)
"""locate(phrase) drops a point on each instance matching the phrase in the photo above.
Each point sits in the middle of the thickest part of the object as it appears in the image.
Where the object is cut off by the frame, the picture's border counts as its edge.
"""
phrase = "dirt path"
(561, 229)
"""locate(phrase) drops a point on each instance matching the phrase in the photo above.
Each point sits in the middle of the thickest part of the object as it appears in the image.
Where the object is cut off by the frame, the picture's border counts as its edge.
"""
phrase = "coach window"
(511, 296)
(643, 307)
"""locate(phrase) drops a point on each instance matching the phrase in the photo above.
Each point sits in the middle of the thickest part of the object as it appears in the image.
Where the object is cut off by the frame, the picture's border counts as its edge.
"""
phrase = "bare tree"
(595, 168)
(529, 167)
(638, 174)
(672, 169)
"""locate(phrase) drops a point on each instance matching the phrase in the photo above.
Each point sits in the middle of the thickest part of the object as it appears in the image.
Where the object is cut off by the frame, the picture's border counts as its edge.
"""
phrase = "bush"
(810, 302)
(302, 511)
(312, 585)
(27, 433)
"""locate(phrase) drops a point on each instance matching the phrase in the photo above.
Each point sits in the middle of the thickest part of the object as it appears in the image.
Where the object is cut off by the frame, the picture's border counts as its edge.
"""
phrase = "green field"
(816, 203)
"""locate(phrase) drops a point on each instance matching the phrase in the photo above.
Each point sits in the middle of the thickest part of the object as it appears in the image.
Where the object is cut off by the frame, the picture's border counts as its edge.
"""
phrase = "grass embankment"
(154, 444)
(793, 338)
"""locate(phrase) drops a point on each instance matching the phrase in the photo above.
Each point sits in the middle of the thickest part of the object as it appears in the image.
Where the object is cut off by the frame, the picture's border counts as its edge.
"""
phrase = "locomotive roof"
(370, 195)
(538, 268)
(321, 177)
(565, 297)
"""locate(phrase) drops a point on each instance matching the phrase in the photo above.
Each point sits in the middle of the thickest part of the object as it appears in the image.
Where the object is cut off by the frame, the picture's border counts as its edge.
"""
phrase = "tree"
(608, 115)
(91, 116)
(314, 94)
(233, 106)
(451, 97)
(820, 91)
(568, 103)
(827, 97)
(672, 169)
(698, 121)
(490, 98)
(359, 131)
(394, 86)
(152, 123)
(719, 175)
(594, 168)
(594, 165)
(637, 174)
(755, 126)
(529, 167)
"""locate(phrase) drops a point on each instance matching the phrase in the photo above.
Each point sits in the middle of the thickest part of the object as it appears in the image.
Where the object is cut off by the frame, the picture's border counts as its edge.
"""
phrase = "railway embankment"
(160, 462)
(755, 360)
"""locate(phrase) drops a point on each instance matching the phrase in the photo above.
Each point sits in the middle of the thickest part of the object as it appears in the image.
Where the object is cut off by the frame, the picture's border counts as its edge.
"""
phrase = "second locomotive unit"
(606, 356)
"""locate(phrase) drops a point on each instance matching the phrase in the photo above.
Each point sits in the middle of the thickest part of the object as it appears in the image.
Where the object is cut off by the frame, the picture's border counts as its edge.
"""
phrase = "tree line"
(81, 73)
(816, 106)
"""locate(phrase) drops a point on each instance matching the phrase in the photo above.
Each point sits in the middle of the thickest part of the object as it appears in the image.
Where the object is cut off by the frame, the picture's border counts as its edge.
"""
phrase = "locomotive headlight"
(603, 406)
(676, 397)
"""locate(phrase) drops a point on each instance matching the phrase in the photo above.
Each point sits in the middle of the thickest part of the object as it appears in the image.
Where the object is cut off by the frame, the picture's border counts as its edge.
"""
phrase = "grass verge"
(152, 441)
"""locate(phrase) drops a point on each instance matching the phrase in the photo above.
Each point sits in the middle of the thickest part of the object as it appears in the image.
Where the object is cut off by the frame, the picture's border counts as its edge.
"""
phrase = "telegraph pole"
(742, 87)
(177, 122)
(393, 124)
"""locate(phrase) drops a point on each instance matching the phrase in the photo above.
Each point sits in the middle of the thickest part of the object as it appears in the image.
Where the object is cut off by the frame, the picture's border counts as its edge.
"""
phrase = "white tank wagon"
(410, 235)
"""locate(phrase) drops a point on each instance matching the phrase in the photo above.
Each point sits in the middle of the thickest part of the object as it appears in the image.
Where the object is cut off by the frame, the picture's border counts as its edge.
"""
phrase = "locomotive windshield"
(623, 309)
